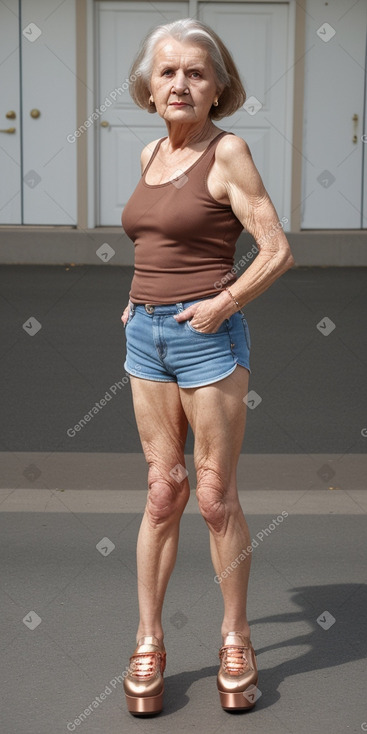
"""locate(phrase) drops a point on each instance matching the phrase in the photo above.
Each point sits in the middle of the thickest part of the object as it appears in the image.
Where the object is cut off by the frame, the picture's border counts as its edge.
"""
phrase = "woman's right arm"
(145, 155)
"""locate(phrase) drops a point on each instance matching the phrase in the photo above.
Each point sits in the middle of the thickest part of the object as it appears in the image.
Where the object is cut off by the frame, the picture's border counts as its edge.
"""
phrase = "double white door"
(257, 35)
(37, 112)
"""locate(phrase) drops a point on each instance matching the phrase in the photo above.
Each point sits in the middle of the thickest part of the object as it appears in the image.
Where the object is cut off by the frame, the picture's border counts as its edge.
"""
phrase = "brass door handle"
(9, 130)
(355, 125)
(35, 113)
(104, 123)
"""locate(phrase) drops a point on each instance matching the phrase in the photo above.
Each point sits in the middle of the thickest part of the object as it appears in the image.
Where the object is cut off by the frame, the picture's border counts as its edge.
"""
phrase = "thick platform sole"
(144, 704)
(237, 701)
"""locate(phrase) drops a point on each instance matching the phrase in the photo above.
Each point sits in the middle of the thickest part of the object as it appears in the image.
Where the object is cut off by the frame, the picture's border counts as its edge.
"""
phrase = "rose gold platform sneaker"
(143, 684)
(237, 675)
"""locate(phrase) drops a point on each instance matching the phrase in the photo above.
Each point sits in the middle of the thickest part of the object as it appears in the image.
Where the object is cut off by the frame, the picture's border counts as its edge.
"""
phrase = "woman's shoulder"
(232, 144)
(233, 158)
(147, 153)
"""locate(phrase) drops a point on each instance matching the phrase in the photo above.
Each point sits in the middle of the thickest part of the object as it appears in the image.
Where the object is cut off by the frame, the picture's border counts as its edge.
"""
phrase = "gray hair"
(191, 30)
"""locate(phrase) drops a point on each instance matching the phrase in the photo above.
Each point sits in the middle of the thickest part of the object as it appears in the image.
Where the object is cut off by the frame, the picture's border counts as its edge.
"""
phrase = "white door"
(10, 163)
(257, 36)
(122, 27)
(333, 116)
(38, 183)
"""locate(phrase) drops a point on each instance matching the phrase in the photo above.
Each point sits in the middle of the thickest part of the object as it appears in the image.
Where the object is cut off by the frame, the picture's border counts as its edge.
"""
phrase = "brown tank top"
(184, 239)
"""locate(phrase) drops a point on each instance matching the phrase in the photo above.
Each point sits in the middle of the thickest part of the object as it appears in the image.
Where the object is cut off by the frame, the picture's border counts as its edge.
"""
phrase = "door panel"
(334, 92)
(49, 85)
(130, 128)
(10, 186)
(38, 164)
(257, 36)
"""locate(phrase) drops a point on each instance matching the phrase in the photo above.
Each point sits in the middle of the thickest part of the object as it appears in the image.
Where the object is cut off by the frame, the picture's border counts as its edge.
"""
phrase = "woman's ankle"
(243, 629)
(151, 632)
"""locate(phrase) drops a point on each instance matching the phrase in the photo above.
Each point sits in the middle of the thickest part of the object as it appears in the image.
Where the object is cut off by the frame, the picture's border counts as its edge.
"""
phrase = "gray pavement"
(69, 607)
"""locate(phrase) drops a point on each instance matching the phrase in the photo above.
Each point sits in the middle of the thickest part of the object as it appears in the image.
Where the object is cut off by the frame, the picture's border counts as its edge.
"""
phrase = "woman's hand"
(125, 316)
(208, 315)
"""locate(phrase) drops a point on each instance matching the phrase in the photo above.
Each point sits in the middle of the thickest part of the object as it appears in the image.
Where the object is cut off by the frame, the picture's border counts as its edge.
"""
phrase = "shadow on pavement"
(331, 643)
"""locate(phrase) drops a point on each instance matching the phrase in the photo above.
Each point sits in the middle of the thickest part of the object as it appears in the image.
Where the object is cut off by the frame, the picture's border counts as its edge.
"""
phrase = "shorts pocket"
(247, 332)
(131, 313)
(222, 329)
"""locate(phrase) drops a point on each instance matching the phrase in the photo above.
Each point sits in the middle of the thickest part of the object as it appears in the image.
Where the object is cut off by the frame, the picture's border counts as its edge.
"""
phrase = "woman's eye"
(169, 71)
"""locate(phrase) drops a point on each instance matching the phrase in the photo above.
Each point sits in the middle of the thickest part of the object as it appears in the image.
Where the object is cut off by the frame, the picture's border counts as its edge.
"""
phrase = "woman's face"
(183, 73)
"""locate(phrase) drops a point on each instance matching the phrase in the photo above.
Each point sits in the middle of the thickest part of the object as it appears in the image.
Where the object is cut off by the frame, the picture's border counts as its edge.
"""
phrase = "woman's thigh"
(217, 415)
(161, 421)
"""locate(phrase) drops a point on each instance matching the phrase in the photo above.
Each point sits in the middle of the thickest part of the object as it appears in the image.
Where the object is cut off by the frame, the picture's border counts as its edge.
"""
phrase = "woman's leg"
(162, 426)
(217, 415)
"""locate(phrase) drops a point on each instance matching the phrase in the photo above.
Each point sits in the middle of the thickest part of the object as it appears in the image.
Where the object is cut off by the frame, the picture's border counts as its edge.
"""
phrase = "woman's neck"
(183, 136)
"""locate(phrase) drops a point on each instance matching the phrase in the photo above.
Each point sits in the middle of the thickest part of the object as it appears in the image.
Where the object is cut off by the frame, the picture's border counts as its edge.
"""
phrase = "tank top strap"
(209, 151)
(198, 172)
(217, 138)
(151, 159)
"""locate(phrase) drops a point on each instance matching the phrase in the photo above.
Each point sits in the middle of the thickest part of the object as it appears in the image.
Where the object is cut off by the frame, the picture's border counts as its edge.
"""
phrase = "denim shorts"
(160, 348)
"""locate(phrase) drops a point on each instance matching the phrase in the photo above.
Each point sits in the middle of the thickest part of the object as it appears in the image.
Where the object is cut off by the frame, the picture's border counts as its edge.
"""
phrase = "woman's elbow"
(286, 260)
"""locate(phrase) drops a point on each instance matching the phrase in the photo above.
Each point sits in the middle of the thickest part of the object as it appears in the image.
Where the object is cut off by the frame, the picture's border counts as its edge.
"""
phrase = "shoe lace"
(146, 664)
(234, 660)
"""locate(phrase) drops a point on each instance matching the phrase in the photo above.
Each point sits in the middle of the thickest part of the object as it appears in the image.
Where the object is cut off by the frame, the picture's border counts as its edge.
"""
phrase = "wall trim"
(65, 245)
(81, 107)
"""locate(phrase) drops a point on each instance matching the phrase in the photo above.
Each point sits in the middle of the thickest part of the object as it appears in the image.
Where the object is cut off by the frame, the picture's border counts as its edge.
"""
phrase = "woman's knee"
(212, 496)
(168, 494)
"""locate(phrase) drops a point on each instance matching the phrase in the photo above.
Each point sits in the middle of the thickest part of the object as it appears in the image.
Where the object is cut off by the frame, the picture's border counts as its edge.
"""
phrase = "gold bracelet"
(233, 298)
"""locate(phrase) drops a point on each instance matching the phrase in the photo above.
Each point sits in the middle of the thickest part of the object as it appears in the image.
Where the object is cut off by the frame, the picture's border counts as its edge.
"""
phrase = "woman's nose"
(180, 83)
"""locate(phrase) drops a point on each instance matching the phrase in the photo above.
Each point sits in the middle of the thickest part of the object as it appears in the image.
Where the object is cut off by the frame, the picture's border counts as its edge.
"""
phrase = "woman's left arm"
(253, 207)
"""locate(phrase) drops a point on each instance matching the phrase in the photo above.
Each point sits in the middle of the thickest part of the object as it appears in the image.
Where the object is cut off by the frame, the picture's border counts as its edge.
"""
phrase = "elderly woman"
(187, 340)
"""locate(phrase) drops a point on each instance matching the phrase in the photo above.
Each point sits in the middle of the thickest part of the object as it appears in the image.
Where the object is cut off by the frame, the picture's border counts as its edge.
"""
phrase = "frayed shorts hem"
(194, 384)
